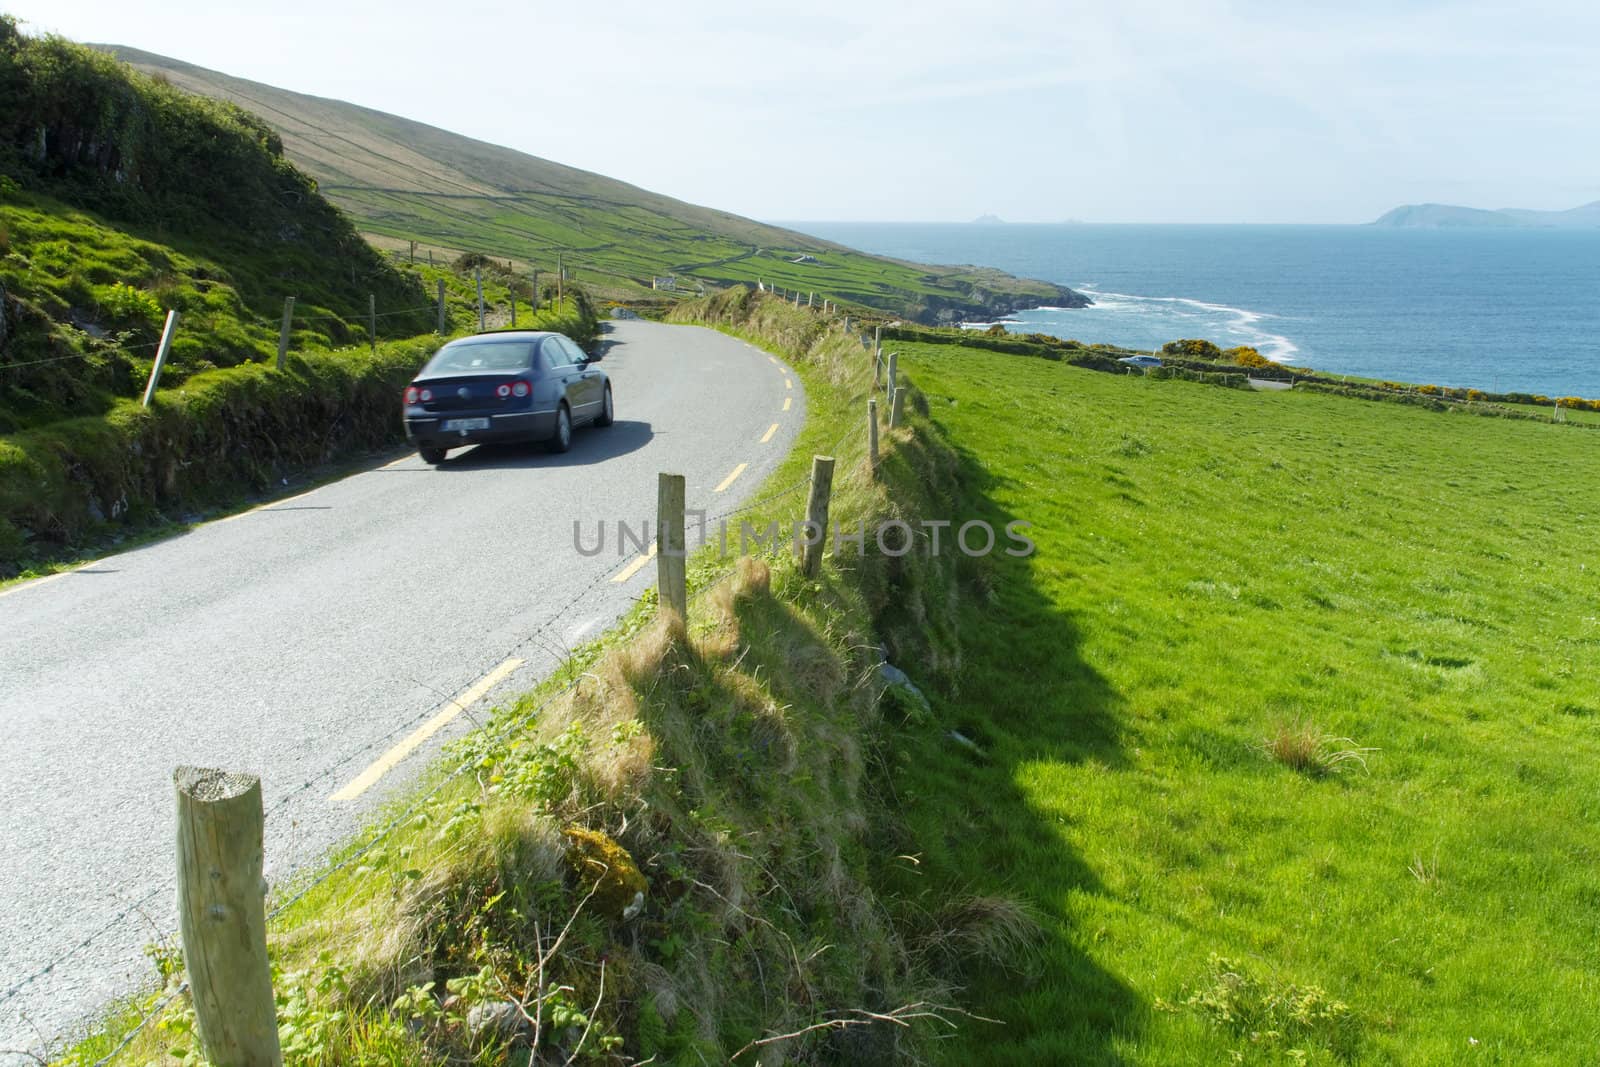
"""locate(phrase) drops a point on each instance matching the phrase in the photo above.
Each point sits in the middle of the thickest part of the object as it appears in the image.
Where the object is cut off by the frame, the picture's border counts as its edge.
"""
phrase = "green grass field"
(1216, 568)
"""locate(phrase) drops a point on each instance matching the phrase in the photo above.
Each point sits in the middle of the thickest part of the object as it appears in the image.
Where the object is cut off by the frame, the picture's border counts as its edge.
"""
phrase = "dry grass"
(1302, 746)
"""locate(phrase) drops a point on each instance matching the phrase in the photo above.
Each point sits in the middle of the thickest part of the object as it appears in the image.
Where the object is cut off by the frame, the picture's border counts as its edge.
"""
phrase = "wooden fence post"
(872, 435)
(372, 320)
(561, 283)
(536, 291)
(441, 307)
(896, 408)
(477, 275)
(671, 551)
(222, 916)
(817, 516)
(161, 355)
(893, 384)
(513, 308)
(283, 331)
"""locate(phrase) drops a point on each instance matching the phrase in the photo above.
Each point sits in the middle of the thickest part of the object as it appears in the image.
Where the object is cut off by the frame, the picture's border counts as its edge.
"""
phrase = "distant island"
(988, 220)
(1452, 217)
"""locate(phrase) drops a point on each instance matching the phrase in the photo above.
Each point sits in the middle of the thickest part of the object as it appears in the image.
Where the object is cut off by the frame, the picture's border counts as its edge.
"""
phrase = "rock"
(897, 681)
(601, 863)
(497, 1018)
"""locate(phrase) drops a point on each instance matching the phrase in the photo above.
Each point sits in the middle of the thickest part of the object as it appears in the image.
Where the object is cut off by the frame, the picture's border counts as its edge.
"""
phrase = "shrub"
(1274, 1013)
(1245, 356)
(1192, 348)
(129, 306)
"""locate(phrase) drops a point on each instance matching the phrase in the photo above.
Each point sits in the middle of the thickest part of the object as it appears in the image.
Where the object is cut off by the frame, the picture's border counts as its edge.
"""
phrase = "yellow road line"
(633, 568)
(729, 480)
(775, 362)
(30, 583)
(387, 762)
(770, 431)
(787, 401)
(788, 383)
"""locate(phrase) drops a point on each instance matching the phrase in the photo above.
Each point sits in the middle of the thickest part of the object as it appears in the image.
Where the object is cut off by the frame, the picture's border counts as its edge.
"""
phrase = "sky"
(1128, 111)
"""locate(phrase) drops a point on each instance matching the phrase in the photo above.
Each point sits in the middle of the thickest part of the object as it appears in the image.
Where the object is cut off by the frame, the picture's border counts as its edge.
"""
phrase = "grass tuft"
(1302, 746)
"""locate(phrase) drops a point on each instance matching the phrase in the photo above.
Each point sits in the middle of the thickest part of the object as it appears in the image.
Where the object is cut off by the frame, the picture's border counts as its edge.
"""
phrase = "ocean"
(1500, 310)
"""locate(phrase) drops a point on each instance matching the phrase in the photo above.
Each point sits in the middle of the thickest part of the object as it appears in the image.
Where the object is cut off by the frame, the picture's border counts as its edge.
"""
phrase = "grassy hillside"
(407, 181)
(1289, 727)
(122, 198)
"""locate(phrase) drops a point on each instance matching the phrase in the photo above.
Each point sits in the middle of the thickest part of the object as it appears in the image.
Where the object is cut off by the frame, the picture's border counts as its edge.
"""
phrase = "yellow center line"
(775, 362)
(787, 401)
(633, 568)
(730, 478)
(387, 762)
(788, 383)
(770, 431)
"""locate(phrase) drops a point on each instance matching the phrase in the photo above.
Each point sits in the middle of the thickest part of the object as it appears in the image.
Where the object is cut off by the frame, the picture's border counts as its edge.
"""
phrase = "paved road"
(285, 639)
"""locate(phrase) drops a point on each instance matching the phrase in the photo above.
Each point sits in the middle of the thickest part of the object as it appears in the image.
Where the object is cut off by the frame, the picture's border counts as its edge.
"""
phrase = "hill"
(1450, 216)
(403, 181)
(121, 198)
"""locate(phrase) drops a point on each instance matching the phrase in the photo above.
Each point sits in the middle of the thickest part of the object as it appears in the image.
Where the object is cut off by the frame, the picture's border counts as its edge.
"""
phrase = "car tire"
(561, 440)
(432, 456)
(606, 416)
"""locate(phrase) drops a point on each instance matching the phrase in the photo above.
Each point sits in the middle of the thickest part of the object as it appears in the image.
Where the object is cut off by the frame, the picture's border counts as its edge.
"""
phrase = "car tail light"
(521, 388)
(502, 391)
(411, 394)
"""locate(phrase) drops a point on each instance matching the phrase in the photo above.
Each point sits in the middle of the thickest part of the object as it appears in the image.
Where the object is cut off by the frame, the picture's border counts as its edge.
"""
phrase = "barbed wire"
(152, 1014)
(119, 350)
(79, 946)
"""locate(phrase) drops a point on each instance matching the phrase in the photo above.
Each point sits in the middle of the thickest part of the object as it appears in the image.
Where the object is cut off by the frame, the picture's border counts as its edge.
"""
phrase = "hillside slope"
(122, 198)
(404, 180)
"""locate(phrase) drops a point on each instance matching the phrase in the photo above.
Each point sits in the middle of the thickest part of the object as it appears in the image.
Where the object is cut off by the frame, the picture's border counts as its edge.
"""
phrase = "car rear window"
(469, 357)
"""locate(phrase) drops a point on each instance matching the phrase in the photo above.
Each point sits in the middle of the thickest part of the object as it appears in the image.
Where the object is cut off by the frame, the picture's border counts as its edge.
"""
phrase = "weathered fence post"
(441, 307)
(536, 291)
(872, 436)
(877, 339)
(161, 355)
(561, 282)
(893, 384)
(477, 276)
(372, 320)
(811, 298)
(896, 408)
(283, 331)
(816, 538)
(222, 916)
(671, 551)
(513, 308)
(413, 251)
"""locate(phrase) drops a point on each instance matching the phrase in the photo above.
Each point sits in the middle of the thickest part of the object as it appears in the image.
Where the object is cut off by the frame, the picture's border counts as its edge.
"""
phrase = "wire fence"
(540, 635)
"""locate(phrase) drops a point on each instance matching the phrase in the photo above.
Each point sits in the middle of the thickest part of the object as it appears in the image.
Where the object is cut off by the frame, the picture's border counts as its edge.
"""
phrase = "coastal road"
(302, 640)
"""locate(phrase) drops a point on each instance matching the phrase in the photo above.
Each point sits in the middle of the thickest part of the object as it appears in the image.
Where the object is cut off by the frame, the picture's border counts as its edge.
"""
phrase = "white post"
(161, 355)
(283, 331)
(477, 275)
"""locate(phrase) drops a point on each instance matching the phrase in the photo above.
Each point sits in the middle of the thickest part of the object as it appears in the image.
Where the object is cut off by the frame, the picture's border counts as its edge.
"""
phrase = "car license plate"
(463, 425)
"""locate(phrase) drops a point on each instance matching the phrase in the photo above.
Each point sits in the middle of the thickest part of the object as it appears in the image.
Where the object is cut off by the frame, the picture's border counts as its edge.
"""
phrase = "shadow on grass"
(982, 820)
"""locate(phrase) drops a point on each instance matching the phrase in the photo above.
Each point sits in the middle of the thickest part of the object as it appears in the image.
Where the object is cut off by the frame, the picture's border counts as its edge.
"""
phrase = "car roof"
(510, 335)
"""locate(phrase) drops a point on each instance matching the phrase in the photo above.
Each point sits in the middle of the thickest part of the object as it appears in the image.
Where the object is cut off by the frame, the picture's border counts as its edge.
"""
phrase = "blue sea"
(1501, 310)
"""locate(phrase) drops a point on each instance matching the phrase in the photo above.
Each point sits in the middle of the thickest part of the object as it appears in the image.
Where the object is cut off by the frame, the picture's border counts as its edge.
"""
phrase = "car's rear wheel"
(561, 440)
(606, 417)
(432, 456)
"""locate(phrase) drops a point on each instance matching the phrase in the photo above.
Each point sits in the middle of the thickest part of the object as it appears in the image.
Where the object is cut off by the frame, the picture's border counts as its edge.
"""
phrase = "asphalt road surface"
(303, 639)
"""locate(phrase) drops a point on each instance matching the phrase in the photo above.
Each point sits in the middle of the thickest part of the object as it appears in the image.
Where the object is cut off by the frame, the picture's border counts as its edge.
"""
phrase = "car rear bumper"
(427, 431)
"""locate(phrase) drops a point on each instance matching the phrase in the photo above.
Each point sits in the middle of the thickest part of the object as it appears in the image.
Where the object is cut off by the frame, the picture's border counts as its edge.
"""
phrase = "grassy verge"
(1286, 728)
(216, 439)
(664, 852)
